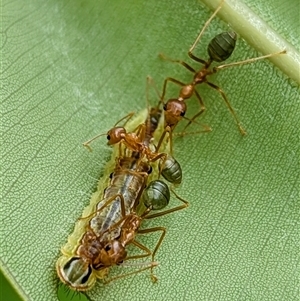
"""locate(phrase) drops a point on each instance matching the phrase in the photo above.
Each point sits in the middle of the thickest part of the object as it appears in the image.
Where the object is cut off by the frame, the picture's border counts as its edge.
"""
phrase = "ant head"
(174, 111)
(113, 253)
(221, 46)
(115, 135)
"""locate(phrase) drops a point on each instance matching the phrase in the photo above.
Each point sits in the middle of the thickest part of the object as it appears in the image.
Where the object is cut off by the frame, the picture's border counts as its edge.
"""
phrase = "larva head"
(115, 135)
(76, 273)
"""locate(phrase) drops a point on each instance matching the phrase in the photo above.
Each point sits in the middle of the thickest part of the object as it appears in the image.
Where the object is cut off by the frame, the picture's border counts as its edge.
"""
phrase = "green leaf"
(71, 69)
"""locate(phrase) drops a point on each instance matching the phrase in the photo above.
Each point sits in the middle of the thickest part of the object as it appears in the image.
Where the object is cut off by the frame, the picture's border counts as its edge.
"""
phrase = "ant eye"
(165, 107)
(182, 113)
(111, 175)
(107, 248)
(108, 137)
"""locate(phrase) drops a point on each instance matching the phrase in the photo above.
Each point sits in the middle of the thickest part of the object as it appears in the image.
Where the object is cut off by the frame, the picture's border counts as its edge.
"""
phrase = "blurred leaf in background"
(7, 292)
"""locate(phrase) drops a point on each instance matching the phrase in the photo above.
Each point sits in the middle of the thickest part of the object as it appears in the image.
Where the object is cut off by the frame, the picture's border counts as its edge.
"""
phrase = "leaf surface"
(71, 69)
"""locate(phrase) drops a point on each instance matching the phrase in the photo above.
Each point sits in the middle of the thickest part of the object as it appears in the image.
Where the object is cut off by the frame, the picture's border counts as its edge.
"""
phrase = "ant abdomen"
(221, 46)
(171, 170)
(156, 195)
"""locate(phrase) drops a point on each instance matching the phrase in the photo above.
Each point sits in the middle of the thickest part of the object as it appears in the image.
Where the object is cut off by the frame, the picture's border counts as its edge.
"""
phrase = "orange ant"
(135, 141)
(219, 49)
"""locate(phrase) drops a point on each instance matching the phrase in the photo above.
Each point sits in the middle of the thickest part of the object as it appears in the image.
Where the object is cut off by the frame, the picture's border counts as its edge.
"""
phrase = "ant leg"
(202, 109)
(184, 64)
(134, 172)
(180, 207)
(127, 118)
(121, 155)
(150, 230)
(242, 130)
(157, 157)
(169, 131)
(115, 225)
(152, 111)
(193, 57)
(149, 108)
(215, 69)
(161, 165)
(151, 266)
(123, 214)
(87, 143)
(132, 142)
(206, 129)
(123, 150)
(140, 131)
(146, 254)
(173, 80)
(143, 248)
(110, 200)
(137, 200)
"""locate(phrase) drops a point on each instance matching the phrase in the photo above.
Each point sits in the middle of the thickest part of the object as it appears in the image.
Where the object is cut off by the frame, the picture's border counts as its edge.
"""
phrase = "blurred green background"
(7, 291)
